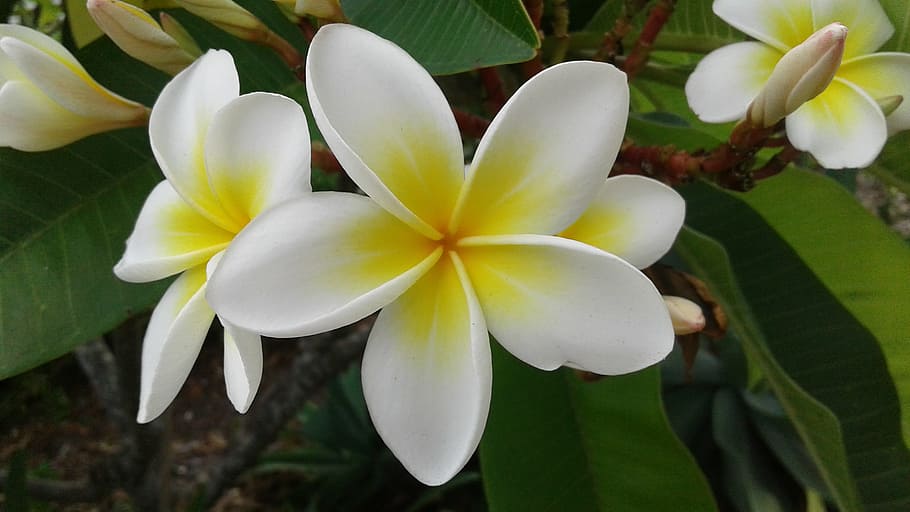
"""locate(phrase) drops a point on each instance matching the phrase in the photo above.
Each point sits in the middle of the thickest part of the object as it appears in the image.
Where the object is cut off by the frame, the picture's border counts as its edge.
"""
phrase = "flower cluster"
(531, 242)
(841, 100)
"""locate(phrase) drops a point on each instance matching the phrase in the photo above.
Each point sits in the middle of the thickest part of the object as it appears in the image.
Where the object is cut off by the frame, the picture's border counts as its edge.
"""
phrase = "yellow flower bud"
(47, 99)
(686, 315)
(800, 75)
(139, 35)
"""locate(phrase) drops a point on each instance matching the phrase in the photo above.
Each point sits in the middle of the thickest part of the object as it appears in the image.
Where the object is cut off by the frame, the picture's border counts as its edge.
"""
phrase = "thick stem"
(611, 45)
(469, 124)
(321, 359)
(492, 84)
(657, 18)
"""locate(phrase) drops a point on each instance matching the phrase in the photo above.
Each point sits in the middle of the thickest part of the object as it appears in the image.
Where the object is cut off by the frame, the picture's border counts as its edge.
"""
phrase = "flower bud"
(889, 104)
(139, 35)
(239, 22)
(47, 99)
(325, 9)
(800, 75)
(686, 315)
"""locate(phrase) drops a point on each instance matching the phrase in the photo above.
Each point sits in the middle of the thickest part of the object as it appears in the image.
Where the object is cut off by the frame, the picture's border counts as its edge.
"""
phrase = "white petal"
(242, 366)
(728, 79)
(70, 86)
(42, 42)
(169, 237)
(30, 121)
(180, 121)
(388, 123)
(842, 127)
(552, 301)
(633, 217)
(172, 342)
(317, 263)
(882, 75)
(546, 153)
(867, 22)
(782, 24)
(427, 374)
(257, 154)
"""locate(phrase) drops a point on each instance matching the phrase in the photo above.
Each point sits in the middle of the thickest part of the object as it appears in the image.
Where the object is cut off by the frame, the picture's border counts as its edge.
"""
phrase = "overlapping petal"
(883, 75)
(30, 121)
(256, 154)
(868, 24)
(242, 366)
(169, 237)
(179, 123)
(782, 24)
(69, 85)
(842, 127)
(727, 80)
(552, 301)
(172, 342)
(317, 263)
(546, 153)
(427, 373)
(388, 124)
(633, 217)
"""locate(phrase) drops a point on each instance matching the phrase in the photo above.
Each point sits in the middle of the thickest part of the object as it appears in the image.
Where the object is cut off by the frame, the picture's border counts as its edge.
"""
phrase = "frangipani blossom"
(844, 126)
(47, 99)
(227, 158)
(449, 254)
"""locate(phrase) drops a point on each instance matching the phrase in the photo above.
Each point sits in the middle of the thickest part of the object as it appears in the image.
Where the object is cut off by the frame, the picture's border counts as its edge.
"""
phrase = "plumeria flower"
(449, 253)
(47, 99)
(227, 158)
(844, 126)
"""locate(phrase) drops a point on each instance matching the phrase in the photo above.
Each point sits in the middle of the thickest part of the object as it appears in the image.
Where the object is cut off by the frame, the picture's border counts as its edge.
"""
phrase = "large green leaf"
(65, 214)
(450, 36)
(860, 261)
(556, 442)
(827, 368)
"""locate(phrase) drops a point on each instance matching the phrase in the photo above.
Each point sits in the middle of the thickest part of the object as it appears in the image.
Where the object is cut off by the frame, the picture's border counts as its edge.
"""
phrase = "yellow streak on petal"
(373, 252)
(502, 275)
(508, 191)
(436, 320)
(187, 232)
(190, 282)
(419, 174)
(602, 227)
(793, 25)
(832, 109)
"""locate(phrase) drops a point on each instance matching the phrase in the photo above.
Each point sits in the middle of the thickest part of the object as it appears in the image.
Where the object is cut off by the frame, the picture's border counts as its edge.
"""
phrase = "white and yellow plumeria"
(226, 159)
(449, 253)
(845, 125)
(139, 35)
(47, 99)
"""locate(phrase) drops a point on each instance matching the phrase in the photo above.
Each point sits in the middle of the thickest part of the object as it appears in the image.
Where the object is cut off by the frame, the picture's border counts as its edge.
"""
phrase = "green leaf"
(862, 263)
(65, 214)
(556, 442)
(900, 17)
(451, 36)
(826, 367)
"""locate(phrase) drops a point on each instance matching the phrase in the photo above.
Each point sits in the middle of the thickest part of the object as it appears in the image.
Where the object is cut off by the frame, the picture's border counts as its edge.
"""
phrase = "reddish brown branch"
(777, 164)
(612, 43)
(657, 18)
(323, 158)
(728, 165)
(307, 28)
(492, 84)
(469, 124)
(535, 11)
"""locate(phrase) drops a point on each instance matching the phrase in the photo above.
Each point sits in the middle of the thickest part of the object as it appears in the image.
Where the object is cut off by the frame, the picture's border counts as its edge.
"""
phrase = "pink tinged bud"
(325, 9)
(686, 315)
(802, 73)
(139, 35)
(230, 17)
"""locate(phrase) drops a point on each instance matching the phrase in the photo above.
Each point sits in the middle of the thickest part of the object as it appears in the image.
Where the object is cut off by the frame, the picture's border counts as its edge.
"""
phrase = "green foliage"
(452, 36)
(556, 442)
(828, 369)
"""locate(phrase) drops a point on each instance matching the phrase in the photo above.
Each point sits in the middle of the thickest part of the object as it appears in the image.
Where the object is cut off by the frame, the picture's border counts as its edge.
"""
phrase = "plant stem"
(657, 18)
